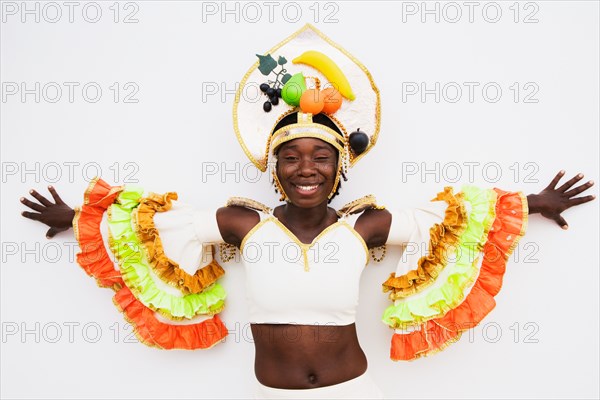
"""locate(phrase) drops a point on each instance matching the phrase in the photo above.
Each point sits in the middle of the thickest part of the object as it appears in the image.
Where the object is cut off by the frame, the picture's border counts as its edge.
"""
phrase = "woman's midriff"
(306, 356)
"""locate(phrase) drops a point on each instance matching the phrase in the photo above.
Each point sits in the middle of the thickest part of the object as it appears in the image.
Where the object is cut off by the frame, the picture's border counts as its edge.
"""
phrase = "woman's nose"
(307, 167)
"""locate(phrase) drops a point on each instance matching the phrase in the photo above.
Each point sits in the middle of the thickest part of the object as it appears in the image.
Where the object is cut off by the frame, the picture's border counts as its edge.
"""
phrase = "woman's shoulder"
(372, 220)
(238, 217)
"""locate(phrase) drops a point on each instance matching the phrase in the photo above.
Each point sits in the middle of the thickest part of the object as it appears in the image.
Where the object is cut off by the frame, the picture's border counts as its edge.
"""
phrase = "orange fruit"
(332, 99)
(311, 101)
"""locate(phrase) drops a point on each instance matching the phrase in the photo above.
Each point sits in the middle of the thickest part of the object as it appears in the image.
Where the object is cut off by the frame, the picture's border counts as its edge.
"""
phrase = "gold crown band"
(297, 131)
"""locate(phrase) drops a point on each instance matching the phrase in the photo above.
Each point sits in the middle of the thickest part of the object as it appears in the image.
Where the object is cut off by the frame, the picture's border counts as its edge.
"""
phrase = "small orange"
(332, 99)
(311, 101)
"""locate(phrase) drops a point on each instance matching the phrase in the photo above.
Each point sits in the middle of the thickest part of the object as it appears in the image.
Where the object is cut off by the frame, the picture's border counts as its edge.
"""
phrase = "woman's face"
(306, 169)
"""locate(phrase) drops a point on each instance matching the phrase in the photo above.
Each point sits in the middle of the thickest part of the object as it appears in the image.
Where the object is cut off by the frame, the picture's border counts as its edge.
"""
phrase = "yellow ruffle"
(442, 237)
(167, 269)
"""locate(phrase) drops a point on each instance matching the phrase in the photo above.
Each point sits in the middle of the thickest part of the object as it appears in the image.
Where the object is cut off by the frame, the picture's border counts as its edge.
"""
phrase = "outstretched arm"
(552, 201)
(58, 215)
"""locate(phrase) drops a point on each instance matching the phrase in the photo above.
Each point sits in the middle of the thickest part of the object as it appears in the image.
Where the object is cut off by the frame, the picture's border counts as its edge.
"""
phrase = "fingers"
(579, 189)
(32, 205)
(40, 198)
(55, 195)
(51, 233)
(556, 179)
(561, 221)
(570, 182)
(580, 200)
(33, 216)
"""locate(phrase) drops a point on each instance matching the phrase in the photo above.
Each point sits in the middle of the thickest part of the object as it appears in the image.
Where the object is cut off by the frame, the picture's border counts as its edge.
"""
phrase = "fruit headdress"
(307, 74)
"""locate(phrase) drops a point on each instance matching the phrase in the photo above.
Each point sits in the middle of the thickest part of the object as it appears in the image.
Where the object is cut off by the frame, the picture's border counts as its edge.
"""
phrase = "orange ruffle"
(167, 269)
(508, 227)
(442, 236)
(93, 257)
(430, 339)
(153, 332)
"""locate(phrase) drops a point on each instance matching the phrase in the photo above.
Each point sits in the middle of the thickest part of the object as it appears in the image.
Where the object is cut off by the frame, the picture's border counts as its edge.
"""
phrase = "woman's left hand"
(552, 201)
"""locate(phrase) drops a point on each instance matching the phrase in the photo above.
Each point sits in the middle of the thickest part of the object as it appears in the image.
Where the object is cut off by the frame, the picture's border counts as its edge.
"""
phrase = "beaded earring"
(279, 188)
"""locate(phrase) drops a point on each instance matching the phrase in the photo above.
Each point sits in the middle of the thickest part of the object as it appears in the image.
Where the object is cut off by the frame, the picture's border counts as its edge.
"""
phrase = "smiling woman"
(306, 170)
(294, 155)
(303, 259)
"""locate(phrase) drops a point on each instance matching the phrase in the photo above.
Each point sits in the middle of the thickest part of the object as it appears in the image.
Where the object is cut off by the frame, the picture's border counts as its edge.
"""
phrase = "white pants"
(362, 387)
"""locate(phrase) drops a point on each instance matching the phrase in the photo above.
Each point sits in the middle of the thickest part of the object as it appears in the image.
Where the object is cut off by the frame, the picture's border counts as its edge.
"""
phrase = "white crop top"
(289, 282)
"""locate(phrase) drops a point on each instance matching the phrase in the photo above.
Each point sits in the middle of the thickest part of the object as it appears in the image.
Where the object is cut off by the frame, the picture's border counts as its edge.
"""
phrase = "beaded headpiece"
(308, 74)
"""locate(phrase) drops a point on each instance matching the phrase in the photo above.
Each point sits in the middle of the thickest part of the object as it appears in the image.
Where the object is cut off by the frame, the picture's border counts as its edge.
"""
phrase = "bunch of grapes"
(274, 96)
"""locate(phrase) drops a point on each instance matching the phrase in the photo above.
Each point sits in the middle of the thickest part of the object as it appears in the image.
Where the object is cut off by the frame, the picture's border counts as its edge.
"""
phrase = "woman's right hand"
(58, 216)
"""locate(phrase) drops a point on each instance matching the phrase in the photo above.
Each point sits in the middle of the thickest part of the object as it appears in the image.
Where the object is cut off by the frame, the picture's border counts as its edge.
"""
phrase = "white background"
(540, 341)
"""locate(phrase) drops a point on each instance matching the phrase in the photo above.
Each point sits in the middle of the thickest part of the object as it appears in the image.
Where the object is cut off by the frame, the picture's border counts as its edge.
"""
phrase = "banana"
(329, 68)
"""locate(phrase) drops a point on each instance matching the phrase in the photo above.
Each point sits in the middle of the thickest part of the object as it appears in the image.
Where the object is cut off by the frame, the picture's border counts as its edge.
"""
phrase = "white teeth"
(307, 187)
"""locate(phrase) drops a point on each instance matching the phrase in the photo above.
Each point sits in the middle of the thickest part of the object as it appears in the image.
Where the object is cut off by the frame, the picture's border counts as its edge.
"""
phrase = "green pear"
(293, 89)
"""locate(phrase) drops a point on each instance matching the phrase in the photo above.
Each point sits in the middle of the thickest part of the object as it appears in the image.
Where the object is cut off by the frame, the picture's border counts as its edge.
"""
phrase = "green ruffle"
(436, 301)
(135, 268)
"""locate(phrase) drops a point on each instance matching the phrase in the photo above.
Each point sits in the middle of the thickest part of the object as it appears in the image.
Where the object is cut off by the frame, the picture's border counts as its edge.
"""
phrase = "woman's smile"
(306, 169)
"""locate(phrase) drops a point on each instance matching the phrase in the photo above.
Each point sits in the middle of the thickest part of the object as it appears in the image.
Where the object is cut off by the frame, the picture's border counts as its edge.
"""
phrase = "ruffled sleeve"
(171, 299)
(447, 282)
(86, 225)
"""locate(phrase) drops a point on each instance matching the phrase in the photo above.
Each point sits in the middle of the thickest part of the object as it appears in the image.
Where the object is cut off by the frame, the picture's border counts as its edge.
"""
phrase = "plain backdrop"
(163, 118)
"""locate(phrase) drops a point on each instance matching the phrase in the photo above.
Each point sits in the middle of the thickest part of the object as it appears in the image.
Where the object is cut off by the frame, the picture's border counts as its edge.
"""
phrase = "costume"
(166, 274)
(271, 254)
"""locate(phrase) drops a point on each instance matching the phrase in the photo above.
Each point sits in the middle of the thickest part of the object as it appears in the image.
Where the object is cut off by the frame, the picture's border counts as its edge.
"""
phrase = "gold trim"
(248, 203)
(337, 178)
(135, 326)
(75, 223)
(442, 236)
(358, 205)
(361, 240)
(279, 187)
(524, 222)
(88, 191)
(163, 266)
(154, 343)
(250, 232)
(261, 165)
(383, 249)
(282, 116)
(280, 138)
(305, 247)
(114, 243)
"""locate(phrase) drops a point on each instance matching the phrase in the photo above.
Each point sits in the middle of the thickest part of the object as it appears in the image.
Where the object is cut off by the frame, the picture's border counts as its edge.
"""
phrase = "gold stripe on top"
(250, 232)
(360, 239)
(248, 203)
(325, 138)
(305, 247)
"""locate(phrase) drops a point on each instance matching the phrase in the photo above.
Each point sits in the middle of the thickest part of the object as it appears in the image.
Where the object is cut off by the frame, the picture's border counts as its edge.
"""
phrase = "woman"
(325, 358)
